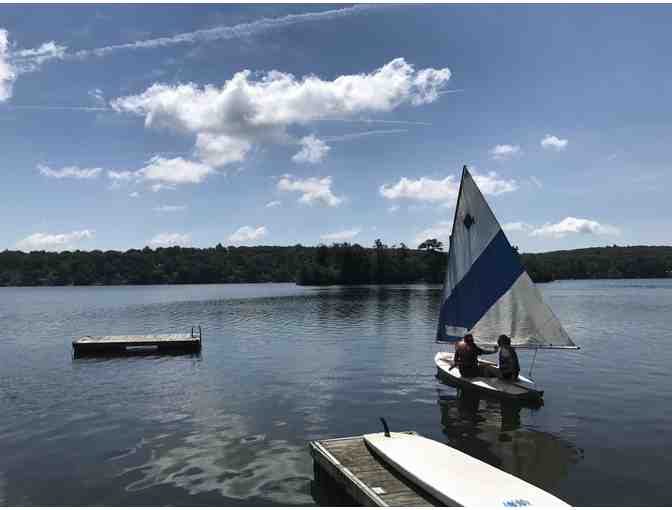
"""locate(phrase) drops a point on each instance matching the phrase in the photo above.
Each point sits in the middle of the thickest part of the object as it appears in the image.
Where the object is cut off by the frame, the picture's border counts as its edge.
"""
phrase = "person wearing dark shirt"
(466, 356)
(509, 368)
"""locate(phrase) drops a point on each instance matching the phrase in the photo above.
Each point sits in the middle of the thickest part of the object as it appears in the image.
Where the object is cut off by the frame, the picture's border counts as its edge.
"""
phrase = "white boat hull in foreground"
(453, 477)
(523, 389)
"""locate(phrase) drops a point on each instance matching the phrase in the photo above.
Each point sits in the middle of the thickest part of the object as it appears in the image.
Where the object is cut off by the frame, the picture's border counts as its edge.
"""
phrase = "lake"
(282, 365)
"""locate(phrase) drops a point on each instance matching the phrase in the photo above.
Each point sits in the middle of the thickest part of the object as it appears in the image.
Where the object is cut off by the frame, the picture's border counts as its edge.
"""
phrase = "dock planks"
(350, 466)
(120, 343)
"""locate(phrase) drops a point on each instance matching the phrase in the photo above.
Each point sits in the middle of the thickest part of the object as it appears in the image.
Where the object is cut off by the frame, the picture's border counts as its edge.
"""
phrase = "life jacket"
(508, 361)
(468, 359)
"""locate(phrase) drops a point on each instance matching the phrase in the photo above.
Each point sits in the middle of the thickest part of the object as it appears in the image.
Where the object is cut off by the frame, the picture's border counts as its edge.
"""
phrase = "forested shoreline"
(341, 263)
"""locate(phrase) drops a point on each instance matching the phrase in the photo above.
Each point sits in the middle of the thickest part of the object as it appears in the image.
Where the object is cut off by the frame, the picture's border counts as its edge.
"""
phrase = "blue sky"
(123, 126)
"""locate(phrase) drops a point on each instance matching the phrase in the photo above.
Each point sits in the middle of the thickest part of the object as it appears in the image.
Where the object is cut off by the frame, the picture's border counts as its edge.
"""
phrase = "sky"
(124, 126)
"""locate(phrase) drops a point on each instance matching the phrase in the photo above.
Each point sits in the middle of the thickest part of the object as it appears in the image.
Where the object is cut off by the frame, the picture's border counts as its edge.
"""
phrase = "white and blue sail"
(487, 291)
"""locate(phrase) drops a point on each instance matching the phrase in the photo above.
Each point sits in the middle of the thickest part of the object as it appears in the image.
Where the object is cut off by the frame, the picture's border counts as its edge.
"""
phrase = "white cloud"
(343, 235)
(170, 208)
(247, 233)
(163, 173)
(31, 59)
(536, 182)
(313, 150)
(53, 242)
(517, 226)
(572, 225)
(28, 60)
(70, 172)
(274, 203)
(393, 208)
(424, 188)
(553, 142)
(7, 70)
(255, 108)
(226, 32)
(97, 96)
(124, 176)
(315, 190)
(175, 171)
(353, 136)
(444, 190)
(170, 239)
(220, 150)
(159, 186)
(134, 194)
(504, 151)
(440, 231)
(243, 104)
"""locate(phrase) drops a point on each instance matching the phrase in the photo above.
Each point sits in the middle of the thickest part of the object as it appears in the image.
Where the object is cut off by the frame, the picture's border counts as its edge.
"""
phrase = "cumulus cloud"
(572, 225)
(440, 231)
(7, 70)
(504, 151)
(220, 150)
(163, 173)
(517, 226)
(170, 208)
(553, 142)
(247, 233)
(134, 194)
(444, 190)
(175, 171)
(53, 242)
(343, 235)
(313, 150)
(69, 172)
(170, 239)
(255, 108)
(314, 190)
(274, 203)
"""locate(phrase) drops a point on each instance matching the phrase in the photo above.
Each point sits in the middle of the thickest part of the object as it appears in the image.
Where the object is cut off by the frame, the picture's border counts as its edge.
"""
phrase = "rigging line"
(534, 358)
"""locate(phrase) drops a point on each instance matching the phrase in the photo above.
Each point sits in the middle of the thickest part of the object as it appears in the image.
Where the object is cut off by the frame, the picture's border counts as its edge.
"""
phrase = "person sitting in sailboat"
(509, 368)
(466, 357)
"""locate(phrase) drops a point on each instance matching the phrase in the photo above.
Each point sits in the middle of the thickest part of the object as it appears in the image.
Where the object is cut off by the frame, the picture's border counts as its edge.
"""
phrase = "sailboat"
(487, 292)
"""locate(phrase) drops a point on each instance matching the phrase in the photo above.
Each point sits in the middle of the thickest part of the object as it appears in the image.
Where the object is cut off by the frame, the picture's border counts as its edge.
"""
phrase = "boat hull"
(521, 390)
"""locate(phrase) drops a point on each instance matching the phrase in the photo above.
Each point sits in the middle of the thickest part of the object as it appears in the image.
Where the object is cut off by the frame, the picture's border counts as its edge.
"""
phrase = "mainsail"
(487, 291)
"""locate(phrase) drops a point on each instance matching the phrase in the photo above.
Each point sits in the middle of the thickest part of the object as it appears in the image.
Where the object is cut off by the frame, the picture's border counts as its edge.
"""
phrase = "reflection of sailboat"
(488, 292)
(491, 431)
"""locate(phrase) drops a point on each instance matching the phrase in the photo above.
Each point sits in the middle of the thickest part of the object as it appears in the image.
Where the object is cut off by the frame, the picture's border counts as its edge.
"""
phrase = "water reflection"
(492, 431)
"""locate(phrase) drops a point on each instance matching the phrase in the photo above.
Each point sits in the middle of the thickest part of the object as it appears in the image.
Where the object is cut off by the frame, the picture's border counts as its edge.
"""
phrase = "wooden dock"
(190, 342)
(348, 473)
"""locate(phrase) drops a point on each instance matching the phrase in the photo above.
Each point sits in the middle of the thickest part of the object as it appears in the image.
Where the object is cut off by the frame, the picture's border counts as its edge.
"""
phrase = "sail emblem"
(469, 221)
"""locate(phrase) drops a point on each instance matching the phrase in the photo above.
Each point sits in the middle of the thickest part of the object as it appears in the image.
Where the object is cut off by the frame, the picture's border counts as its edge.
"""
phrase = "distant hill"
(607, 262)
(322, 265)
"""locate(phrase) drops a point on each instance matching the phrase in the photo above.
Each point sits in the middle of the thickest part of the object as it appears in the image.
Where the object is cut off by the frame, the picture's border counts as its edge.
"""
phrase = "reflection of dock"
(130, 343)
(347, 473)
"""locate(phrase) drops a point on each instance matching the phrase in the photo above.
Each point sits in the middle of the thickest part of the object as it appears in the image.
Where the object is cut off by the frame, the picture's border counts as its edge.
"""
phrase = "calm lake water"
(282, 365)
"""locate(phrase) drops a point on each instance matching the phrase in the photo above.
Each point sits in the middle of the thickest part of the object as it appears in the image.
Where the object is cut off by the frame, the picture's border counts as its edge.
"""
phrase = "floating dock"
(347, 472)
(190, 342)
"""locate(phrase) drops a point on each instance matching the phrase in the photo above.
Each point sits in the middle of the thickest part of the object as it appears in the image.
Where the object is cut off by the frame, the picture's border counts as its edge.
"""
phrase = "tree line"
(340, 263)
